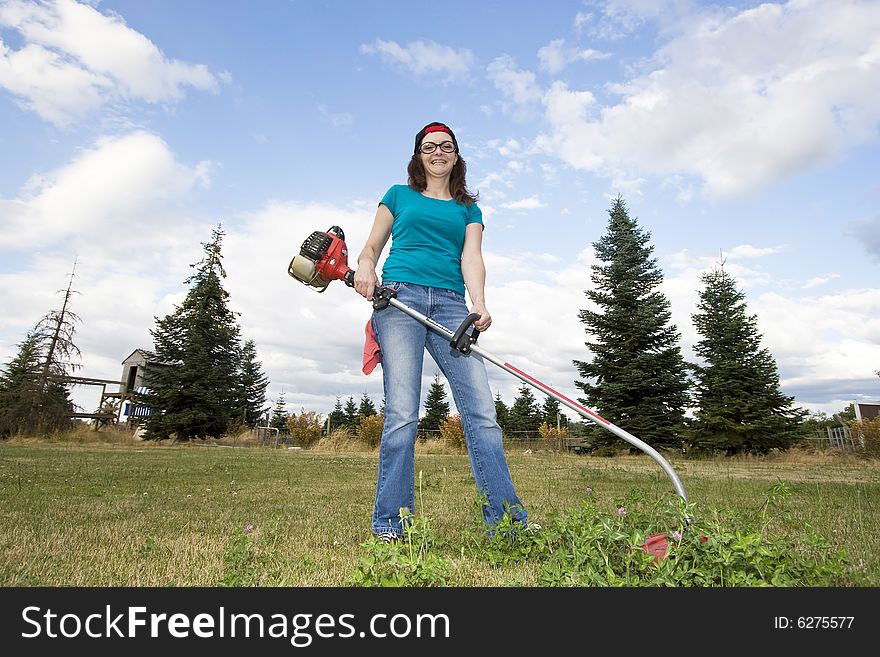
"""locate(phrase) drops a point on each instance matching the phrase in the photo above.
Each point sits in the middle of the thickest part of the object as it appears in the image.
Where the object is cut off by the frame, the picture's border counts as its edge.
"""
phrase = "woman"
(436, 229)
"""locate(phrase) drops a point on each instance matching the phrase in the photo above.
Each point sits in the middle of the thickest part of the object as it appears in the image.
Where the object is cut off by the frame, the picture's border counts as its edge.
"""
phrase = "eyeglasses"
(429, 147)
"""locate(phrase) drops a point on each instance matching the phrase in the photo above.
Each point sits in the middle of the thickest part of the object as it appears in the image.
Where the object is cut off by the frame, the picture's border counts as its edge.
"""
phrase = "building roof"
(148, 357)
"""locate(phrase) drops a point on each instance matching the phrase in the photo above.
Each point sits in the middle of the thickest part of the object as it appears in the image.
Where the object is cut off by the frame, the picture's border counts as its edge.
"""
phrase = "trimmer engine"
(322, 258)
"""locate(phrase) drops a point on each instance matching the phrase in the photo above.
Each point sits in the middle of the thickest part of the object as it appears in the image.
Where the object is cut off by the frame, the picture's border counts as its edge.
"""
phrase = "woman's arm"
(473, 269)
(365, 279)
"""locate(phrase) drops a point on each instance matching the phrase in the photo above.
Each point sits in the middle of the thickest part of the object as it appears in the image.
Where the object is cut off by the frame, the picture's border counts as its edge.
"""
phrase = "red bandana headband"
(438, 128)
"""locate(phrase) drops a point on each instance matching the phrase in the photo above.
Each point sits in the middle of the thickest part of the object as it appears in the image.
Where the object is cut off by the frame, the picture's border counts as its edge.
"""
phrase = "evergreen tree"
(253, 383)
(352, 419)
(502, 413)
(552, 414)
(336, 418)
(637, 378)
(436, 406)
(366, 408)
(740, 407)
(279, 414)
(20, 388)
(198, 391)
(525, 414)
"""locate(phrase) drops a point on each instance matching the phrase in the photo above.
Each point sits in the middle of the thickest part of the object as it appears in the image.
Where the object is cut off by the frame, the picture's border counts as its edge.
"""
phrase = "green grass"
(152, 515)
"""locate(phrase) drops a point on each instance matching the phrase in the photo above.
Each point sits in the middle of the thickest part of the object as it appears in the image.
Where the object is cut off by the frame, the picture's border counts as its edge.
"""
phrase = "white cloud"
(556, 55)
(336, 119)
(748, 251)
(731, 258)
(617, 19)
(794, 329)
(492, 186)
(424, 58)
(509, 148)
(519, 87)
(817, 281)
(107, 196)
(530, 203)
(75, 59)
(738, 101)
(582, 19)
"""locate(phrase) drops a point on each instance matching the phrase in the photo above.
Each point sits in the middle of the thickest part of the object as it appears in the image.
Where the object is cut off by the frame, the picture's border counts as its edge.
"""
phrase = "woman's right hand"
(365, 280)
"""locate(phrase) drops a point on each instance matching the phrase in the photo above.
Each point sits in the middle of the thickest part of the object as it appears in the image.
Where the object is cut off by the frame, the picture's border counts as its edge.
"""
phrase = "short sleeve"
(475, 215)
(390, 200)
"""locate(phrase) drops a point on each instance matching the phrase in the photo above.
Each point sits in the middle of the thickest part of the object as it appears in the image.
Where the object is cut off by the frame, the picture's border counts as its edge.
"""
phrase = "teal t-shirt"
(427, 238)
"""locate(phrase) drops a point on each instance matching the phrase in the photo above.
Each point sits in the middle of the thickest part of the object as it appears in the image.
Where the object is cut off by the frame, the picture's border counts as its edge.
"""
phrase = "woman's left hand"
(485, 320)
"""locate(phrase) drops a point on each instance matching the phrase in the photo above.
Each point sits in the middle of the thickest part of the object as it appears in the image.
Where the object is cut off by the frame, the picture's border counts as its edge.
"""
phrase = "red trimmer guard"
(658, 545)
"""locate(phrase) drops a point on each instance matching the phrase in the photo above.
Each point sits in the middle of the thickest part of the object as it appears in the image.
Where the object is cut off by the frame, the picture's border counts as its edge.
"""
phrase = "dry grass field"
(96, 509)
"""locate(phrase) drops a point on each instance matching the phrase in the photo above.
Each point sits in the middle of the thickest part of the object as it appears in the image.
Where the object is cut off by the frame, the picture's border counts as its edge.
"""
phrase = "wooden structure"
(118, 405)
(134, 369)
(108, 408)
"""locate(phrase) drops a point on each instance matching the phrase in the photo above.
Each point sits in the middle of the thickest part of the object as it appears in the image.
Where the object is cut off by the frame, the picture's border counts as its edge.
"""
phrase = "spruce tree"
(20, 388)
(502, 413)
(279, 414)
(552, 414)
(32, 403)
(740, 407)
(336, 418)
(197, 392)
(366, 407)
(352, 419)
(252, 384)
(637, 378)
(525, 414)
(436, 406)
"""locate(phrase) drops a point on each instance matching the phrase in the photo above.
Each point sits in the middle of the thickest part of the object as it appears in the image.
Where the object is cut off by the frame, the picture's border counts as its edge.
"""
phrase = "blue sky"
(740, 131)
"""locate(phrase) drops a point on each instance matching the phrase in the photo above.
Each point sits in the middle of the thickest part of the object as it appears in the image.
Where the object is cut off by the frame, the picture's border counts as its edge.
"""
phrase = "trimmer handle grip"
(382, 297)
(460, 339)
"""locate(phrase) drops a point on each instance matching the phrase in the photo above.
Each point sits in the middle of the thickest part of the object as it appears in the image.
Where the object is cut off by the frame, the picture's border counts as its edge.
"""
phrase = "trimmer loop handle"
(460, 340)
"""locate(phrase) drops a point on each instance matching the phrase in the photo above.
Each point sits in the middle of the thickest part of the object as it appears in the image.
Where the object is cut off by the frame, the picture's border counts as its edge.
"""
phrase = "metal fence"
(839, 437)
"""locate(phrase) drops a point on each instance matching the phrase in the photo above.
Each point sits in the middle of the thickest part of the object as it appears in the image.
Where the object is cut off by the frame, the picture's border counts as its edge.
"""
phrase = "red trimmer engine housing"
(322, 258)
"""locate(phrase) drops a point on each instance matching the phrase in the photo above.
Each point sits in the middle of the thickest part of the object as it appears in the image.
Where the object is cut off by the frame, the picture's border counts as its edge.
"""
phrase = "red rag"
(372, 355)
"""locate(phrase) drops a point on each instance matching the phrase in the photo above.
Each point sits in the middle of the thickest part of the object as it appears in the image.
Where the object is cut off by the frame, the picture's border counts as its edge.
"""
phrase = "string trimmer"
(323, 258)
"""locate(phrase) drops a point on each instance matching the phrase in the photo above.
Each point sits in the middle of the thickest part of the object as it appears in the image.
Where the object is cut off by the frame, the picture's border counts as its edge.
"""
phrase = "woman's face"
(438, 163)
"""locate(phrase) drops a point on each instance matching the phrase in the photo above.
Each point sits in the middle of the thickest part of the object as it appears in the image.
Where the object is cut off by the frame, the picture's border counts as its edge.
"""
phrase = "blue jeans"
(403, 341)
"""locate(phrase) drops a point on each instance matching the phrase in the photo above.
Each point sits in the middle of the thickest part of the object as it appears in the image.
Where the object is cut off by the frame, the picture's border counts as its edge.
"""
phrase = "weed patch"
(411, 561)
(589, 547)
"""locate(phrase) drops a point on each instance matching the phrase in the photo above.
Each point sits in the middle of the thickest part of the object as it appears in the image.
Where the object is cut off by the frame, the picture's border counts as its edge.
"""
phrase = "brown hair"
(457, 184)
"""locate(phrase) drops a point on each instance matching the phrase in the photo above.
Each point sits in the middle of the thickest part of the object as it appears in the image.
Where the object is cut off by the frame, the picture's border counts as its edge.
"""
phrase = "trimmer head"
(658, 545)
(322, 258)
